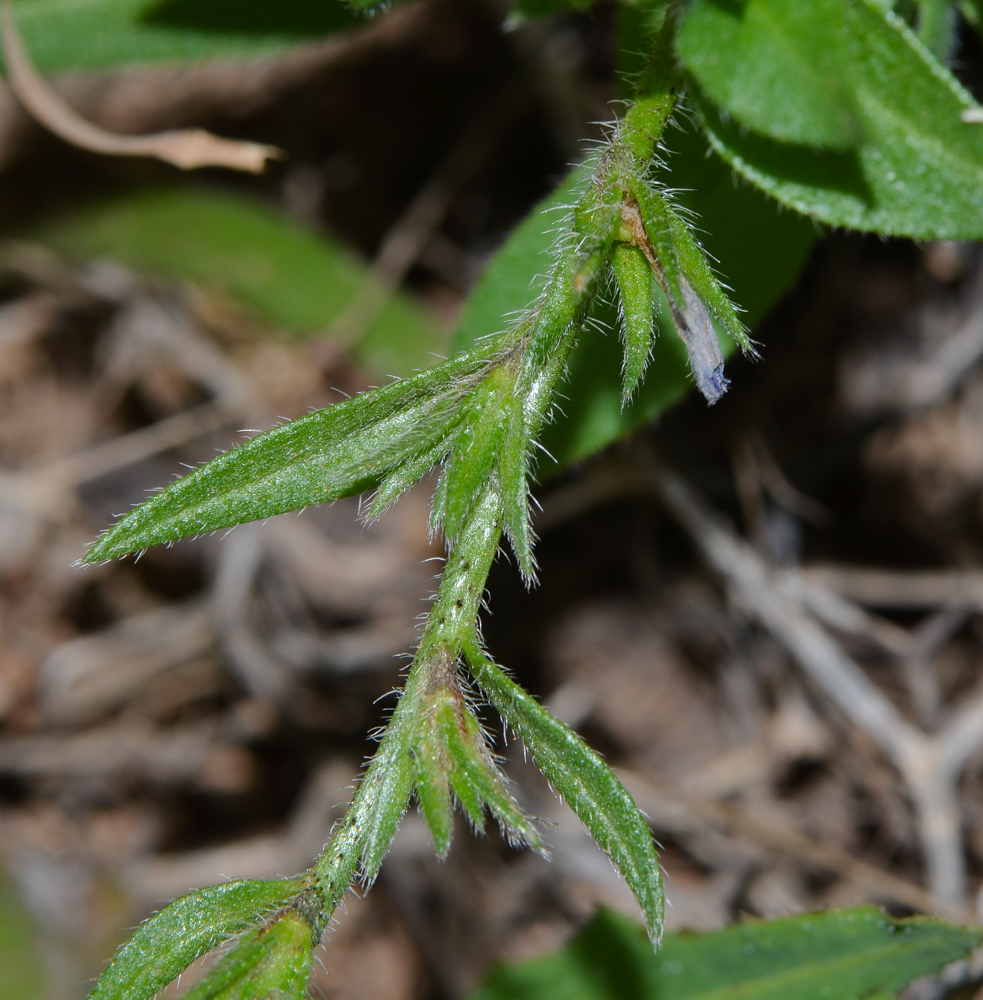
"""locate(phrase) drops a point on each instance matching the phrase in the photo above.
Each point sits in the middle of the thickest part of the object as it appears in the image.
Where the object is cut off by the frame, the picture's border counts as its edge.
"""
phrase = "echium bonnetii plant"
(478, 418)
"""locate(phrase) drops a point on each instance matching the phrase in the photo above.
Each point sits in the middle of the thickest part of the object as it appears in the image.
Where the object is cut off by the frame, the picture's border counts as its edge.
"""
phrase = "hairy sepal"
(634, 279)
(696, 298)
(167, 943)
(585, 782)
(513, 475)
(340, 451)
(433, 792)
(477, 781)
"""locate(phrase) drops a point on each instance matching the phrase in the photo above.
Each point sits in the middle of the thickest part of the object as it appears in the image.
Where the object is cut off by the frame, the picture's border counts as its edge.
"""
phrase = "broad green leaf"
(760, 250)
(586, 783)
(915, 169)
(97, 34)
(287, 274)
(166, 944)
(816, 105)
(271, 961)
(340, 451)
(518, 271)
(859, 954)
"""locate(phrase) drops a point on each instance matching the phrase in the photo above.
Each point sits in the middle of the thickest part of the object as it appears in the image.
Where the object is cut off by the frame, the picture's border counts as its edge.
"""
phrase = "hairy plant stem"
(528, 366)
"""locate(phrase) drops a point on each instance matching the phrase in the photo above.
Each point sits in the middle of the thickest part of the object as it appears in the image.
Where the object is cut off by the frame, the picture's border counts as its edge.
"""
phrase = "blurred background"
(201, 712)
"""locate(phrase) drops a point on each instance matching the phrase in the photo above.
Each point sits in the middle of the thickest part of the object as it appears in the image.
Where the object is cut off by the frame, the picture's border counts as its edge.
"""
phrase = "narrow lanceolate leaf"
(476, 448)
(634, 277)
(272, 961)
(434, 795)
(388, 785)
(167, 943)
(513, 471)
(859, 954)
(914, 167)
(340, 451)
(586, 783)
(477, 781)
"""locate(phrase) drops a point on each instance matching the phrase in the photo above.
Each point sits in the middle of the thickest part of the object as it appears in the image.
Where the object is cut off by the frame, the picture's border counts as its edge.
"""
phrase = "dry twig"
(188, 149)
(787, 841)
(930, 765)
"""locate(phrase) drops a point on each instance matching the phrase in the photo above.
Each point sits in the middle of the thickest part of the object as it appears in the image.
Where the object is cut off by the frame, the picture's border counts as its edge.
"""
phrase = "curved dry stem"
(188, 149)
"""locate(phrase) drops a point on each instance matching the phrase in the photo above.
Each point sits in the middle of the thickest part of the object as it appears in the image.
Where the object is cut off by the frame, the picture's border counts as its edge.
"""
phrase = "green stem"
(363, 834)
(534, 355)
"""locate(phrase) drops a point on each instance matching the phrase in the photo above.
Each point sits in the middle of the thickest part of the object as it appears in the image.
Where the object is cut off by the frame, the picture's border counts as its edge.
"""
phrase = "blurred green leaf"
(166, 944)
(815, 104)
(21, 956)
(915, 168)
(586, 783)
(859, 954)
(286, 273)
(98, 34)
(760, 250)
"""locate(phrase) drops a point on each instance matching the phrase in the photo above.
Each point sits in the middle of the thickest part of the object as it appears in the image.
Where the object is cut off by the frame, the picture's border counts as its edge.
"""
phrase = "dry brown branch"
(240, 561)
(178, 754)
(88, 677)
(928, 764)
(898, 589)
(188, 149)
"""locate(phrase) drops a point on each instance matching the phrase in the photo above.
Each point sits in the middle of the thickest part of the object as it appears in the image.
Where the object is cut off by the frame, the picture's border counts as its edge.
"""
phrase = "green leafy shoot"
(841, 955)
(478, 417)
(834, 108)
